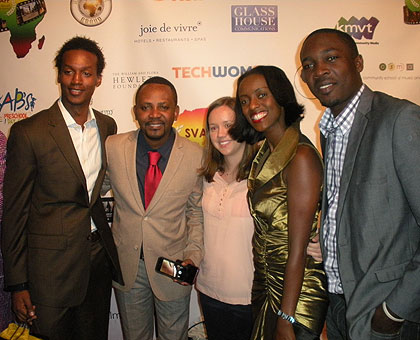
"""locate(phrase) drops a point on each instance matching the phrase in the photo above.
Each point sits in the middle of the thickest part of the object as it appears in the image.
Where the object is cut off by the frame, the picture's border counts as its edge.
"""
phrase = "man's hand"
(184, 264)
(314, 249)
(22, 306)
(384, 325)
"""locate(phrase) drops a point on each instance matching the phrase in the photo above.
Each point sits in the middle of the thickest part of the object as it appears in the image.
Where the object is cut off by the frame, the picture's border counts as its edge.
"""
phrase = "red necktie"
(152, 178)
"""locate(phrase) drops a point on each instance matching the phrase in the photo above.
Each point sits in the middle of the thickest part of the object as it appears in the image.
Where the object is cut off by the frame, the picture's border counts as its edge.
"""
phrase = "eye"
(144, 107)
(332, 58)
(307, 66)
(67, 72)
(228, 125)
(243, 101)
(87, 74)
(261, 95)
(213, 128)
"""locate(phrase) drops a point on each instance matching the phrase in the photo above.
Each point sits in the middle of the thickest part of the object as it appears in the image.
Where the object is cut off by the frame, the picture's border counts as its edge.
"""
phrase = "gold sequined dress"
(267, 198)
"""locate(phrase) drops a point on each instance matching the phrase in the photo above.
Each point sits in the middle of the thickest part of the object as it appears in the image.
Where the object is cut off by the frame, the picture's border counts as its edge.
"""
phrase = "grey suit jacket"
(378, 216)
(47, 210)
(172, 224)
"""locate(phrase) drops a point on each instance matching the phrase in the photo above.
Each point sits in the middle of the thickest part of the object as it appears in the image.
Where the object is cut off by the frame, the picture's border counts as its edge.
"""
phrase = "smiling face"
(220, 120)
(155, 110)
(78, 79)
(259, 106)
(331, 70)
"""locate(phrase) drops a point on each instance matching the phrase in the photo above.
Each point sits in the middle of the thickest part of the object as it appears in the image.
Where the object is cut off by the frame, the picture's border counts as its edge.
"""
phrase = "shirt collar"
(164, 150)
(70, 122)
(344, 120)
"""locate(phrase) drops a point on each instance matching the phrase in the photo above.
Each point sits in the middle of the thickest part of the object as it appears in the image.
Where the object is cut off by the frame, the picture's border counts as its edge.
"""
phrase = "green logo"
(413, 5)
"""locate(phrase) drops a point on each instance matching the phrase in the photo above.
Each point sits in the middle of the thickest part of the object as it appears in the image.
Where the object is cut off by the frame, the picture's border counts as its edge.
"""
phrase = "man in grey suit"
(59, 253)
(168, 223)
(370, 234)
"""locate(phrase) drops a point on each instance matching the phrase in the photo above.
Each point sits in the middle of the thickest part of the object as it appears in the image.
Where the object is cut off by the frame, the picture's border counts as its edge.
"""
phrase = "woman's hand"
(284, 330)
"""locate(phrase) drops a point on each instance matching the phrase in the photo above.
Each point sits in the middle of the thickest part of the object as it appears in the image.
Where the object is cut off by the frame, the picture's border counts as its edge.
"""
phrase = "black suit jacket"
(47, 211)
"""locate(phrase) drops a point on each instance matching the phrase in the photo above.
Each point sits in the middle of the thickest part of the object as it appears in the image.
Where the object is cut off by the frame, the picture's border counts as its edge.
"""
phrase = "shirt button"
(136, 247)
(146, 218)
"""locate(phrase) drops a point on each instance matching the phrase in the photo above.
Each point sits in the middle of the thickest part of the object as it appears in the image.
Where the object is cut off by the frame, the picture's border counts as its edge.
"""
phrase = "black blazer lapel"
(103, 129)
(60, 133)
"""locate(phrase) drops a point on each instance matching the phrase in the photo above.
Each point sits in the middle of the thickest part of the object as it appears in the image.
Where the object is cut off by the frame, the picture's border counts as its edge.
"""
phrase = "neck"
(79, 113)
(231, 162)
(274, 136)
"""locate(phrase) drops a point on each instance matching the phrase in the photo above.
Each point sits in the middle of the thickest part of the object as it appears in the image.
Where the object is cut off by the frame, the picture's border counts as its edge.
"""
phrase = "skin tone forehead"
(73, 58)
(325, 43)
(221, 112)
(257, 79)
(151, 91)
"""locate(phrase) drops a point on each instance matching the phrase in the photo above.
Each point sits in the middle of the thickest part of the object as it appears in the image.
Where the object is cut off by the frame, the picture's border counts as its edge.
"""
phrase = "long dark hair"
(213, 160)
(283, 93)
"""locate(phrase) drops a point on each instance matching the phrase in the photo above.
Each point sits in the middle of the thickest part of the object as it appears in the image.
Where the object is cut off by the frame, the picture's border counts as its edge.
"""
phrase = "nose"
(154, 112)
(254, 103)
(77, 78)
(320, 69)
(222, 132)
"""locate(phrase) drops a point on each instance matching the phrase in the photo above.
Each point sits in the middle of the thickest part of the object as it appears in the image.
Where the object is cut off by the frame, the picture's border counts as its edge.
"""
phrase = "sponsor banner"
(202, 47)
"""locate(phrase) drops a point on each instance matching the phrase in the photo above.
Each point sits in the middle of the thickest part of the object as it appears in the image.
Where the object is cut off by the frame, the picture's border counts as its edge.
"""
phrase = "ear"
(176, 113)
(99, 81)
(358, 61)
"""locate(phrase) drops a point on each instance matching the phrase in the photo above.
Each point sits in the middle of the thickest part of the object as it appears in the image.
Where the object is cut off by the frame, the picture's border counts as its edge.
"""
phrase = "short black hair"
(343, 36)
(81, 43)
(162, 81)
(283, 93)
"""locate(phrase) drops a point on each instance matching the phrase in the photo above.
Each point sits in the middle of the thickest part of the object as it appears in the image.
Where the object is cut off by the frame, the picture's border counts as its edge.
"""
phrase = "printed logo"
(254, 18)
(15, 105)
(210, 71)
(153, 34)
(130, 79)
(190, 124)
(21, 18)
(396, 66)
(358, 28)
(412, 12)
(90, 12)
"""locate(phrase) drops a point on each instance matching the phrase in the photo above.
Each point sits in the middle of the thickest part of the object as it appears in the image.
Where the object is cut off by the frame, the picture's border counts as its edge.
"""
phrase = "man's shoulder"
(388, 102)
(120, 137)
(37, 120)
(190, 146)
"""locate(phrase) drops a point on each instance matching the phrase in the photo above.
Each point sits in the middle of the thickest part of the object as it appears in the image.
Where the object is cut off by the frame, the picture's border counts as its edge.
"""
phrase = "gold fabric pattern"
(267, 199)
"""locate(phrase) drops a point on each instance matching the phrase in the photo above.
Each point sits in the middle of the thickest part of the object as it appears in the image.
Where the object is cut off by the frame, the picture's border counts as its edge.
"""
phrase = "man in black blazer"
(59, 254)
(370, 232)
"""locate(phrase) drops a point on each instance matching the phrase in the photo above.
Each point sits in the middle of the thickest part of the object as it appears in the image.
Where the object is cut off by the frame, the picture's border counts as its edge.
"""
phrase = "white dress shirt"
(87, 143)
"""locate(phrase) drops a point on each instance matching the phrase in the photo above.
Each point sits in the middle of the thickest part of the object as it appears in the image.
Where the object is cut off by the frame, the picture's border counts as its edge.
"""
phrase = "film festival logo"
(90, 12)
(254, 18)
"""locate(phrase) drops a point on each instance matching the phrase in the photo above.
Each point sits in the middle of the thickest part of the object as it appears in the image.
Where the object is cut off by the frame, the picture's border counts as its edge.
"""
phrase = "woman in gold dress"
(289, 299)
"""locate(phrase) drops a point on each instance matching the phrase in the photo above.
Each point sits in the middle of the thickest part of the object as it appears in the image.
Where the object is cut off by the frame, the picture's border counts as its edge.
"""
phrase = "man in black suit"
(59, 254)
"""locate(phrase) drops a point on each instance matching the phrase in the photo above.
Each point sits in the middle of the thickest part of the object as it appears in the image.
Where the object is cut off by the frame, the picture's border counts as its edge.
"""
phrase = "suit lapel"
(103, 133)
(355, 138)
(130, 154)
(175, 159)
(60, 133)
